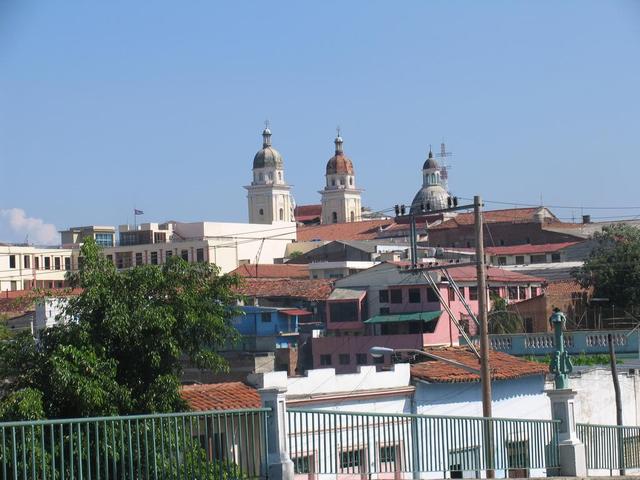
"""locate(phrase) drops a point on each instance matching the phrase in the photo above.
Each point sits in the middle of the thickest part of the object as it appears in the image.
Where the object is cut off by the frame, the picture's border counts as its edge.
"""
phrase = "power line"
(537, 205)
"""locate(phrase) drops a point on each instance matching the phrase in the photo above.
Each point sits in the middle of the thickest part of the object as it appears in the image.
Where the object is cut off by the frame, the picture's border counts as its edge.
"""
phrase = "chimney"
(586, 218)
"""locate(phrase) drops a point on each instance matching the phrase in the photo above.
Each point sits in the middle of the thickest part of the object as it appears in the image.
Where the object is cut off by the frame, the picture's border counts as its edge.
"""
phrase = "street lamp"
(378, 352)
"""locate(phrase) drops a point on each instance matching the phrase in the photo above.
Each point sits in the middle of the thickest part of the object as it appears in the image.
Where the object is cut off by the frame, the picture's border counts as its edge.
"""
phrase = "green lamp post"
(561, 364)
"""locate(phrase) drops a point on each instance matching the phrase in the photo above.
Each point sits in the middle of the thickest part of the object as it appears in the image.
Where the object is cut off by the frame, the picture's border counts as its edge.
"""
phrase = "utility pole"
(616, 389)
(485, 371)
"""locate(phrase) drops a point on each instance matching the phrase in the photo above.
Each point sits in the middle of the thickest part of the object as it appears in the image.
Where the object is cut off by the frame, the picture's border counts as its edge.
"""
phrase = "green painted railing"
(204, 445)
(330, 442)
(610, 447)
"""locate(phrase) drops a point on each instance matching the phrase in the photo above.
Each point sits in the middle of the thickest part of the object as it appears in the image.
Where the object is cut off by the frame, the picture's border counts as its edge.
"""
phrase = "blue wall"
(267, 322)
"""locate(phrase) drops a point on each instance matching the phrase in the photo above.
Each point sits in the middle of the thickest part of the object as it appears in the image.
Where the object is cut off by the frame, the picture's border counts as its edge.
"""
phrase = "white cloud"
(38, 231)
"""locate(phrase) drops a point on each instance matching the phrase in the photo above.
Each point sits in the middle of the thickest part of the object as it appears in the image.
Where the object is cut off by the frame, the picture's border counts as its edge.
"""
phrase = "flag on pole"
(137, 212)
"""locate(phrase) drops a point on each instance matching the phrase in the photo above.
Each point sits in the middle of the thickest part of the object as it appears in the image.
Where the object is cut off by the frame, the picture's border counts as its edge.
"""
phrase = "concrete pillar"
(572, 453)
(280, 466)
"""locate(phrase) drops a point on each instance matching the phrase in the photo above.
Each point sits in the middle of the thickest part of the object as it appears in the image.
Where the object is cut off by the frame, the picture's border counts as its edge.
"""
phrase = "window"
(47, 263)
(159, 237)
(522, 292)
(281, 213)
(261, 211)
(452, 294)
(555, 257)
(396, 295)
(343, 311)
(104, 239)
(473, 293)
(334, 217)
(351, 181)
(538, 258)
(200, 255)
(302, 464)
(414, 295)
(519, 259)
(14, 285)
(167, 255)
(56, 263)
(384, 310)
(325, 359)
(26, 261)
(361, 358)
(154, 258)
(67, 263)
(502, 260)
(383, 296)
(185, 255)
(138, 258)
(279, 175)
(265, 317)
(353, 216)
(431, 295)
(36, 263)
(512, 293)
(110, 258)
(528, 325)
(12, 261)
(344, 359)
(378, 360)
(351, 460)
(388, 454)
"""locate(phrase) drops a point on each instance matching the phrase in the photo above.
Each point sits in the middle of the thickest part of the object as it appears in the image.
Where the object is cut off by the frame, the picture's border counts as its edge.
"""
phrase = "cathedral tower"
(340, 197)
(269, 196)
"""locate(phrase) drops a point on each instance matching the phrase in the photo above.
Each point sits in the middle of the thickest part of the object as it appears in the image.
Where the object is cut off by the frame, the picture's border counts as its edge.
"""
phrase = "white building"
(433, 195)
(227, 245)
(340, 198)
(24, 267)
(269, 196)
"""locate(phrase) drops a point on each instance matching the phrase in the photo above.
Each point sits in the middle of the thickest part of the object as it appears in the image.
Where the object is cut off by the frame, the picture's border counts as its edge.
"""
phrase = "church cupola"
(432, 195)
(340, 198)
(269, 195)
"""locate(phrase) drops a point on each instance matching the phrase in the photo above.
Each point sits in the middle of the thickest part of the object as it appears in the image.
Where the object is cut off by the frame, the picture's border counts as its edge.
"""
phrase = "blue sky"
(107, 105)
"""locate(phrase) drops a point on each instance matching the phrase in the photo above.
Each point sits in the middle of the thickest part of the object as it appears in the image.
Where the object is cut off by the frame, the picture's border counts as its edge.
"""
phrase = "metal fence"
(205, 445)
(350, 443)
(610, 447)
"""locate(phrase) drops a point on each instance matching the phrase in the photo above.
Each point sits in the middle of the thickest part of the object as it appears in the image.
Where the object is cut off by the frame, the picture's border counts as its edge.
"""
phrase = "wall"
(595, 402)
(21, 278)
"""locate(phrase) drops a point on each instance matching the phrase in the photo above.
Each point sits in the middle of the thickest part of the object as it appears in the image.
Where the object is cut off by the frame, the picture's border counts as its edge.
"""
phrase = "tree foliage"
(121, 351)
(613, 266)
(501, 320)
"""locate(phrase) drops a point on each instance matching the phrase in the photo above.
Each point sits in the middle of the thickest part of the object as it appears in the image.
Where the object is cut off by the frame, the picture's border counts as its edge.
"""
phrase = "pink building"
(390, 307)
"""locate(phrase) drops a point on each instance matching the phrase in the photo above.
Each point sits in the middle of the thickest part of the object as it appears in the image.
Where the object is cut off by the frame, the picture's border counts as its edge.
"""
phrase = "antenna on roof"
(444, 166)
(266, 124)
(338, 130)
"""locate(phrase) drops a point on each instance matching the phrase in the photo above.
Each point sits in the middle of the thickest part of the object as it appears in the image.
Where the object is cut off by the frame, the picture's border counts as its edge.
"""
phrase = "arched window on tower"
(334, 217)
(279, 175)
(261, 211)
(281, 214)
(353, 216)
(333, 182)
(351, 181)
(261, 176)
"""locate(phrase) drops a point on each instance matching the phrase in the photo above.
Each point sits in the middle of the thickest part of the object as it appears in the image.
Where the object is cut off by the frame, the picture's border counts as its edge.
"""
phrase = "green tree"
(122, 353)
(613, 266)
(501, 319)
(4, 329)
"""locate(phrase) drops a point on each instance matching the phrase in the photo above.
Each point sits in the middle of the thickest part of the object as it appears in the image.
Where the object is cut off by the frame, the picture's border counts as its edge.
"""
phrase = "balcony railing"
(579, 341)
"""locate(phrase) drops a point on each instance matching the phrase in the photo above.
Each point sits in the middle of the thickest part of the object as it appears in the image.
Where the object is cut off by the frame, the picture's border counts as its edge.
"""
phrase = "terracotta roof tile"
(521, 249)
(365, 230)
(503, 366)
(220, 396)
(304, 213)
(308, 289)
(285, 270)
(468, 273)
(511, 215)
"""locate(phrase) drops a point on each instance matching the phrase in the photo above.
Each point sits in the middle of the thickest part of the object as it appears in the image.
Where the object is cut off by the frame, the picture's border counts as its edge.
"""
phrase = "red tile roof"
(295, 288)
(503, 366)
(468, 273)
(220, 396)
(365, 230)
(15, 303)
(305, 213)
(522, 249)
(285, 270)
(511, 215)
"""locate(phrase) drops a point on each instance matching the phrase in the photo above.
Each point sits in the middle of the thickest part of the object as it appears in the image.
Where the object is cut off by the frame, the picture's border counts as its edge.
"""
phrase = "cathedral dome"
(267, 156)
(339, 164)
(430, 162)
(433, 196)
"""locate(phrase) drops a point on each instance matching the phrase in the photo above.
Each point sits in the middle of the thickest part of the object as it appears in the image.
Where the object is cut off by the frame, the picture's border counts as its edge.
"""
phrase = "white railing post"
(280, 466)
(573, 461)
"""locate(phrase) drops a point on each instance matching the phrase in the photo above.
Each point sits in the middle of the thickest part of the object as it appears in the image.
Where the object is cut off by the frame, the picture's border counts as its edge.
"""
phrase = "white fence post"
(280, 466)
(572, 452)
